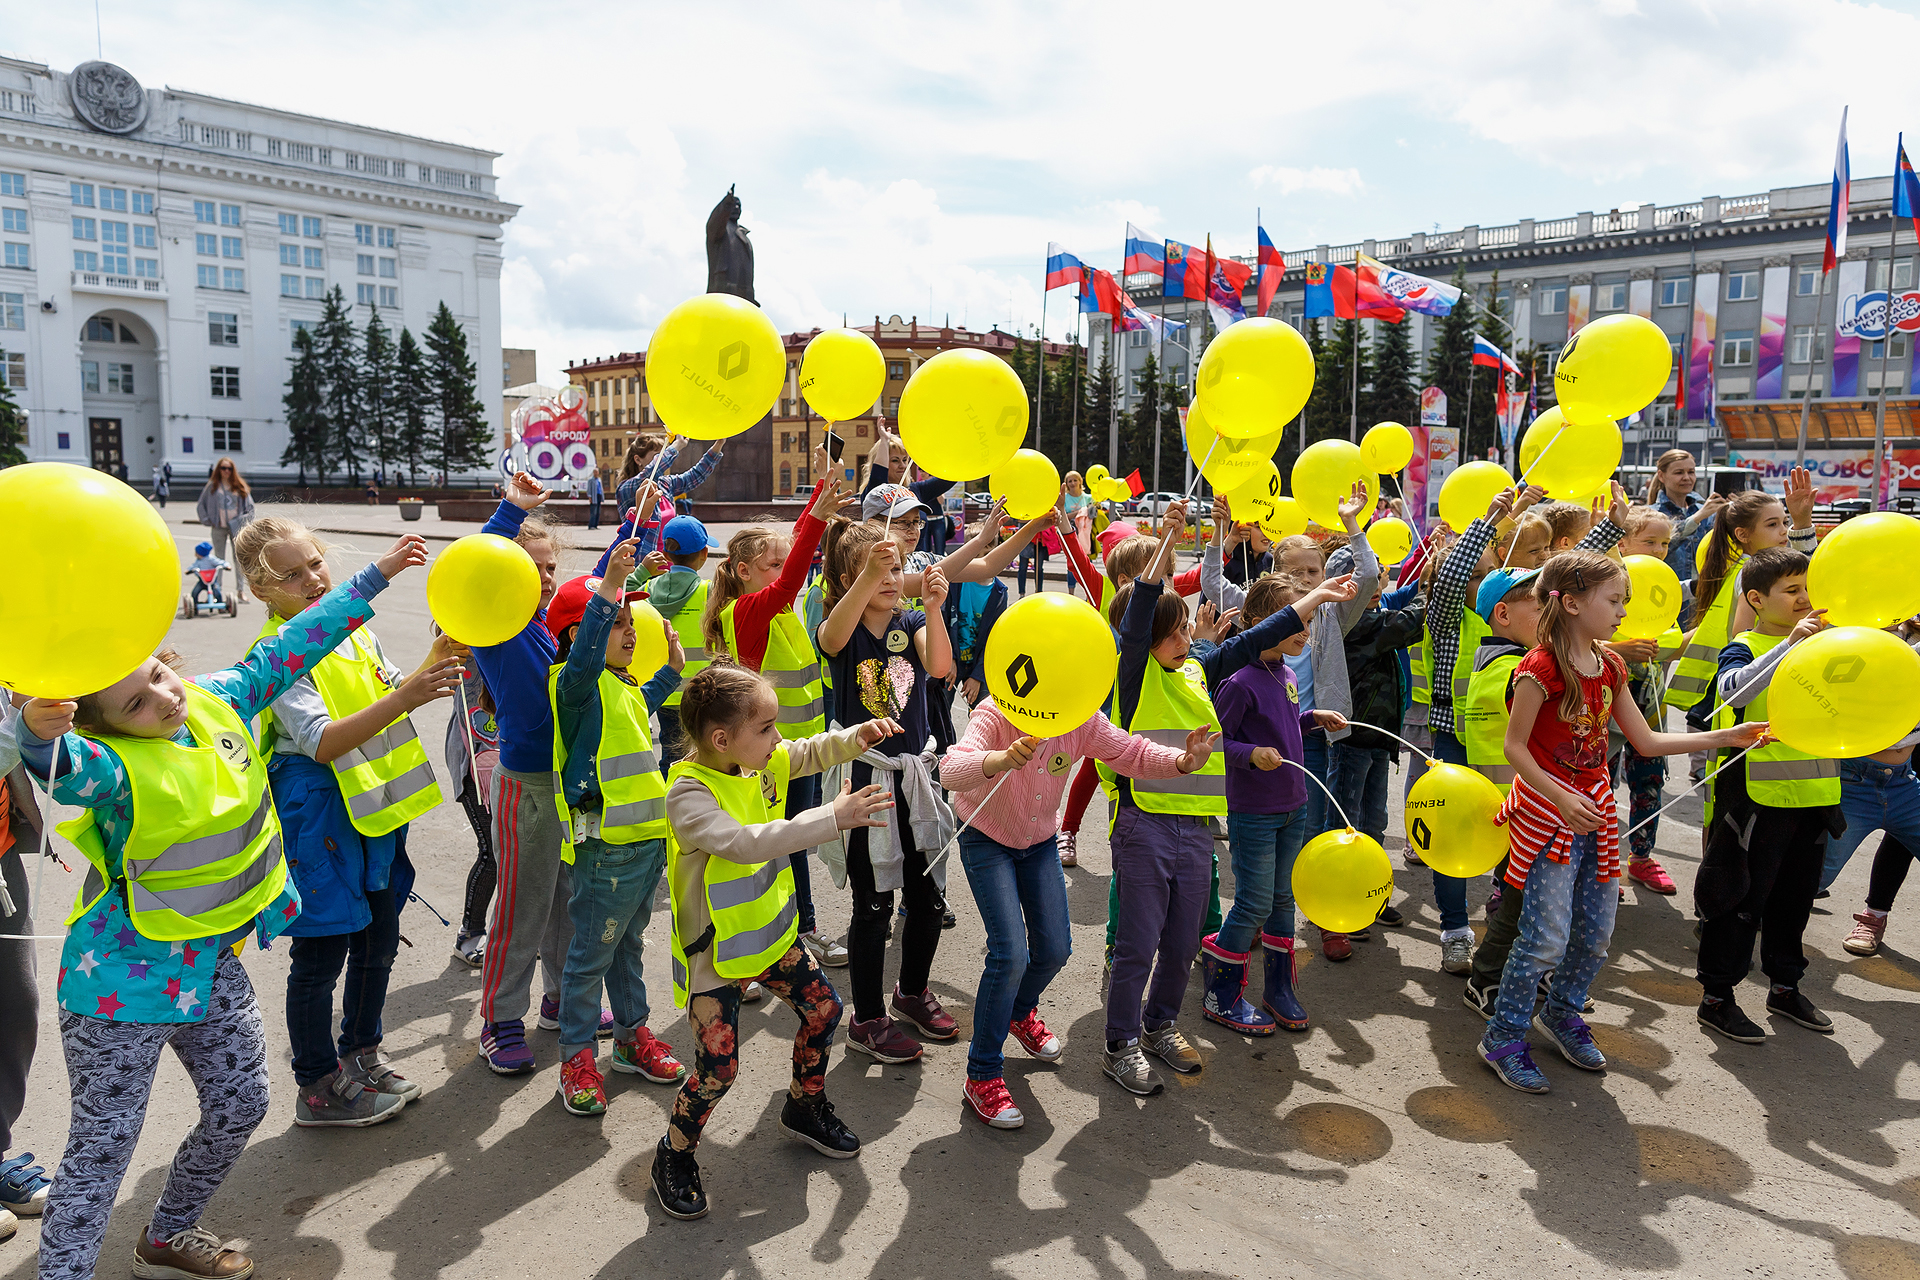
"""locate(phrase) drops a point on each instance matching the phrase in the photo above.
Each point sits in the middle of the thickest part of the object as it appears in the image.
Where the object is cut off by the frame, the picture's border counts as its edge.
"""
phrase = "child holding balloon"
(1565, 836)
(160, 764)
(349, 775)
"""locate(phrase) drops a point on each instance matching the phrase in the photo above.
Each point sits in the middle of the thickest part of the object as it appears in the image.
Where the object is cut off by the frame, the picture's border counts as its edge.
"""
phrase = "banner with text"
(1851, 278)
(1773, 334)
(1579, 306)
(1837, 473)
(1433, 407)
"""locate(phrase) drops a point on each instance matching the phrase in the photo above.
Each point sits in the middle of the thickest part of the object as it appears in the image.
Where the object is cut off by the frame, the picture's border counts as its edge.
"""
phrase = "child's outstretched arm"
(935, 647)
(700, 823)
(838, 628)
(438, 677)
(579, 680)
(1642, 738)
(87, 774)
(1214, 583)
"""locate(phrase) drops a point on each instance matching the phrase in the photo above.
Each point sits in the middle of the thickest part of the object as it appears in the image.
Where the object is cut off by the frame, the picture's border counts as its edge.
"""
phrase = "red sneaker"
(992, 1103)
(1651, 874)
(647, 1055)
(924, 1012)
(582, 1089)
(1335, 946)
(1036, 1039)
(881, 1039)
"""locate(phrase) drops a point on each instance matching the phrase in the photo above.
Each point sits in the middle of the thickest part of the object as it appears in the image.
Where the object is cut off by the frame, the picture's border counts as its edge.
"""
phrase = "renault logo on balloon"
(1021, 677)
(1843, 670)
(1422, 834)
(734, 358)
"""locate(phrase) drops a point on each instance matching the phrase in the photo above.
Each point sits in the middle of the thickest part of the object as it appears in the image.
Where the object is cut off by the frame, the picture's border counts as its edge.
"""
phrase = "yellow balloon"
(483, 590)
(1028, 481)
(1611, 368)
(842, 374)
(1050, 663)
(1386, 448)
(1570, 460)
(1391, 540)
(963, 414)
(1341, 879)
(714, 366)
(649, 640)
(1469, 491)
(1324, 475)
(1256, 376)
(1864, 572)
(1095, 474)
(1449, 814)
(1117, 490)
(1288, 518)
(1227, 462)
(1848, 691)
(1254, 500)
(93, 580)
(1655, 602)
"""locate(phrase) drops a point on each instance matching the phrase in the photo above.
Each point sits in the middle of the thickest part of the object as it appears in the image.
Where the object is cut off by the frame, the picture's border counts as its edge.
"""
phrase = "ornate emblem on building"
(107, 97)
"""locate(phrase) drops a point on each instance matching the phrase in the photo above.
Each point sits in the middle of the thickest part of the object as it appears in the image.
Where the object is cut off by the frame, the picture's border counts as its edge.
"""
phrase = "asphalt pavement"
(1375, 1144)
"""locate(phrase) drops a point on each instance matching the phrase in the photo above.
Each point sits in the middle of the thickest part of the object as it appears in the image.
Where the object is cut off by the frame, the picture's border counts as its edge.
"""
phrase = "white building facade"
(159, 250)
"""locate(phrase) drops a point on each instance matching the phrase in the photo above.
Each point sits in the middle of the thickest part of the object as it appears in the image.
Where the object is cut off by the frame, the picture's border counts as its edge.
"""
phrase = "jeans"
(803, 794)
(1022, 897)
(1263, 847)
(1566, 922)
(1450, 892)
(315, 965)
(1162, 862)
(593, 513)
(612, 903)
(1358, 778)
(1314, 750)
(1036, 555)
(1873, 797)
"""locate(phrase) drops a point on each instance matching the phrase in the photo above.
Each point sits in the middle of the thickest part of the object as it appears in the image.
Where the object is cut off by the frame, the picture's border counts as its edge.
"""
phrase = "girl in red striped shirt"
(1566, 834)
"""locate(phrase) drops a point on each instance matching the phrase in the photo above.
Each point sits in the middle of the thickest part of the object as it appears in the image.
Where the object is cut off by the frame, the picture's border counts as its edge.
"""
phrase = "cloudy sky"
(916, 159)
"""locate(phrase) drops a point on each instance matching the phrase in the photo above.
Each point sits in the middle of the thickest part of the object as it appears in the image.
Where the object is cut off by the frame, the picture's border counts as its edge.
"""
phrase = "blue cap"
(1497, 586)
(203, 548)
(683, 535)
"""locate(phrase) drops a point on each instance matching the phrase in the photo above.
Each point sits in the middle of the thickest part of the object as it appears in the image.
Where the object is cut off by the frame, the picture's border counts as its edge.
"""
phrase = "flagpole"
(1353, 426)
(1886, 346)
(1159, 355)
(1040, 375)
(1073, 429)
(1473, 349)
(1119, 375)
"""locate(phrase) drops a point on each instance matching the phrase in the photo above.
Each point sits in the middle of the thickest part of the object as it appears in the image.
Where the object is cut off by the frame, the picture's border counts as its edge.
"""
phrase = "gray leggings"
(111, 1066)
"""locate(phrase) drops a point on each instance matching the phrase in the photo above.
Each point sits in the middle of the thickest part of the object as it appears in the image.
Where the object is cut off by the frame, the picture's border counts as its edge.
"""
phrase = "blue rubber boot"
(1278, 998)
(1226, 983)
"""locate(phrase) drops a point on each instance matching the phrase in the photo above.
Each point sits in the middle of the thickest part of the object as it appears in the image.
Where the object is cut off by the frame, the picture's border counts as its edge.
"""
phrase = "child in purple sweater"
(1261, 726)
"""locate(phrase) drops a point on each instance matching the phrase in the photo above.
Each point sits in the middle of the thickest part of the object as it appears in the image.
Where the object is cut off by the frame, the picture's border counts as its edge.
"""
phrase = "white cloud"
(1339, 182)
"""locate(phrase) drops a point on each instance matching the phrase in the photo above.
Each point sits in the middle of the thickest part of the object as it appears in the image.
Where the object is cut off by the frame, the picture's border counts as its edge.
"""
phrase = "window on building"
(113, 248)
(1806, 344)
(146, 268)
(363, 233)
(289, 255)
(114, 199)
(315, 259)
(223, 329)
(786, 478)
(226, 382)
(363, 263)
(207, 277)
(1903, 274)
(90, 376)
(1806, 280)
(17, 256)
(893, 406)
(229, 215)
(896, 369)
(232, 247)
(83, 260)
(389, 268)
(297, 327)
(1743, 286)
(311, 228)
(13, 184)
(145, 237)
(13, 371)
(226, 437)
(389, 296)
(364, 295)
(316, 287)
(289, 224)
(619, 417)
(1552, 299)
(207, 246)
(119, 378)
(82, 193)
(205, 211)
(233, 279)
(99, 329)
(386, 237)
(289, 286)
(143, 203)
(1676, 291)
(13, 220)
(85, 229)
(13, 311)
(1610, 297)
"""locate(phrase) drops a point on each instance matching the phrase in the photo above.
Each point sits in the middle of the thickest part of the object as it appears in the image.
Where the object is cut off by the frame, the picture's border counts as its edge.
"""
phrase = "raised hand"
(1800, 497)
(933, 589)
(434, 679)
(1200, 745)
(48, 718)
(882, 556)
(524, 492)
(866, 807)
(410, 550)
(1352, 505)
(619, 565)
(676, 652)
(656, 563)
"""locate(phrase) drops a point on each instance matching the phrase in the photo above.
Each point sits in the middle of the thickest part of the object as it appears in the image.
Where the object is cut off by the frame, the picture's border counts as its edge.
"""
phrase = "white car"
(1156, 504)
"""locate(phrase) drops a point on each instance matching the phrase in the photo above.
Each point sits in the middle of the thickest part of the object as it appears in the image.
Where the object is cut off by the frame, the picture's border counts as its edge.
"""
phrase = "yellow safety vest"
(202, 856)
(1701, 660)
(755, 919)
(1421, 660)
(792, 668)
(1483, 717)
(633, 795)
(1172, 705)
(1473, 629)
(387, 780)
(1777, 775)
(1671, 642)
(692, 639)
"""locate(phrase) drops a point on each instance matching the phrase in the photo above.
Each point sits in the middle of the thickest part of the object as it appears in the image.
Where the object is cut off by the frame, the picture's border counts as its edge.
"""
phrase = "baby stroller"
(214, 599)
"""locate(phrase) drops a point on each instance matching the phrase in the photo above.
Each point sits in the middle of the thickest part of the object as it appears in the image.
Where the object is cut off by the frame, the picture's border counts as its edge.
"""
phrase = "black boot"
(811, 1120)
(676, 1182)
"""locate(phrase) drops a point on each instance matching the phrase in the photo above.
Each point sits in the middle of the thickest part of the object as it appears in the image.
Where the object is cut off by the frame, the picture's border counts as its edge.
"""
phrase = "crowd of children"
(1274, 712)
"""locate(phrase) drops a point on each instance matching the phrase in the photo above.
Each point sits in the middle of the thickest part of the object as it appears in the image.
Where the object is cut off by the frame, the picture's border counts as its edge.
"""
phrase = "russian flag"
(1273, 268)
(1492, 357)
(1143, 252)
(1063, 268)
(1837, 204)
(1906, 187)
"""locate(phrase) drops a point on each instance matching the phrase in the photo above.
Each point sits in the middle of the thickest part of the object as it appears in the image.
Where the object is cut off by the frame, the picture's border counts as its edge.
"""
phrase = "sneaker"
(1824, 893)
(1167, 1044)
(1036, 1039)
(1574, 1040)
(1867, 931)
(1481, 999)
(1391, 917)
(676, 1182)
(583, 1091)
(1493, 899)
(1335, 946)
(190, 1253)
(371, 1068)
(1647, 872)
(549, 1019)
(752, 993)
(8, 1224)
(337, 1100)
(23, 1186)
(1725, 1017)
(1456, 955)
(990, 1101)
(1513, 1063)
(879, 1038)
(829, 952)
(504, 1046)
(948, 920)
(1069, 843)
(1790, 1004)
(1127, 1067)
(1410, 858)
(470, 949)
(647, 1055)
(810, 1119)
(924, 1012)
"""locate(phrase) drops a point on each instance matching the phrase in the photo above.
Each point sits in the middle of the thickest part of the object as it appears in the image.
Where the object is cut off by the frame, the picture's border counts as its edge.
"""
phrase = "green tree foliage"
(380, 408)
(1393, 394)
(13, 426)
(413, 399)
(462, 439)
(305, 407)
(339, 365)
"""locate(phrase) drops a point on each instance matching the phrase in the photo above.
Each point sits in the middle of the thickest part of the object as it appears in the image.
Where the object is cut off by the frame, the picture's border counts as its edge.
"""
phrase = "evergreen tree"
(1494, 324)
(412, 440)
(1330, 409)
(1394, 393)
(339, 362)
(13, 426)
(463, 436)
(305, 406)
(1102, 393)
(380, 394)
(1136, 426)
(1452, 358)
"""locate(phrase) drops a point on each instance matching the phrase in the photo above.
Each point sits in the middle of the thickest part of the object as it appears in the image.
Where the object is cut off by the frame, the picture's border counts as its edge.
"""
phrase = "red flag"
(1273, 268)
(1136, 484)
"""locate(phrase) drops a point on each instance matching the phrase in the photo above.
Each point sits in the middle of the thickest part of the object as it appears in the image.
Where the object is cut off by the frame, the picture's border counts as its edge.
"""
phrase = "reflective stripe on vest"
(202, 855)
(751, 905)
(693, 641)
(387, 780)
(1698, 664)
(1172, 705)
(1473, 629)
(633, 795)
(793, 669)
(1482, 718)
(1777, 775)
(1421, 661)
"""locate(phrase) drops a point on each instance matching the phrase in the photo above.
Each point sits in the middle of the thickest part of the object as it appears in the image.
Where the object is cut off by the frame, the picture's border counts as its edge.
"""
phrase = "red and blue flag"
(1337, 292)
(1837, 203)
(1906, 187)
(1492, 357)
(1273, 268)
(1404, 289)
(1143, 253)
(1101, 294)
(1189, 272)
(1063, 268)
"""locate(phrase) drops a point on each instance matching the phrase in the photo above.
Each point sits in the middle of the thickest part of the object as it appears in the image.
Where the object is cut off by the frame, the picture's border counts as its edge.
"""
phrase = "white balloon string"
(1323, 786)
(1705, 779)
(473, 757)
(942, 856)
(1543, 453)
(1201, 471)
(40, 871)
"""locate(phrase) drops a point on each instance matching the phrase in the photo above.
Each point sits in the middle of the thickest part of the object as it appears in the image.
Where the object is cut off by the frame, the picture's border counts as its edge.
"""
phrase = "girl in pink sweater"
(1013, 866)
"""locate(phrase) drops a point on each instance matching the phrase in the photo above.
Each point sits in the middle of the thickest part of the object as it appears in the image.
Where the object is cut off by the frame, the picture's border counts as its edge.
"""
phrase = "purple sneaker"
(549, 1019)
(504, 1046)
